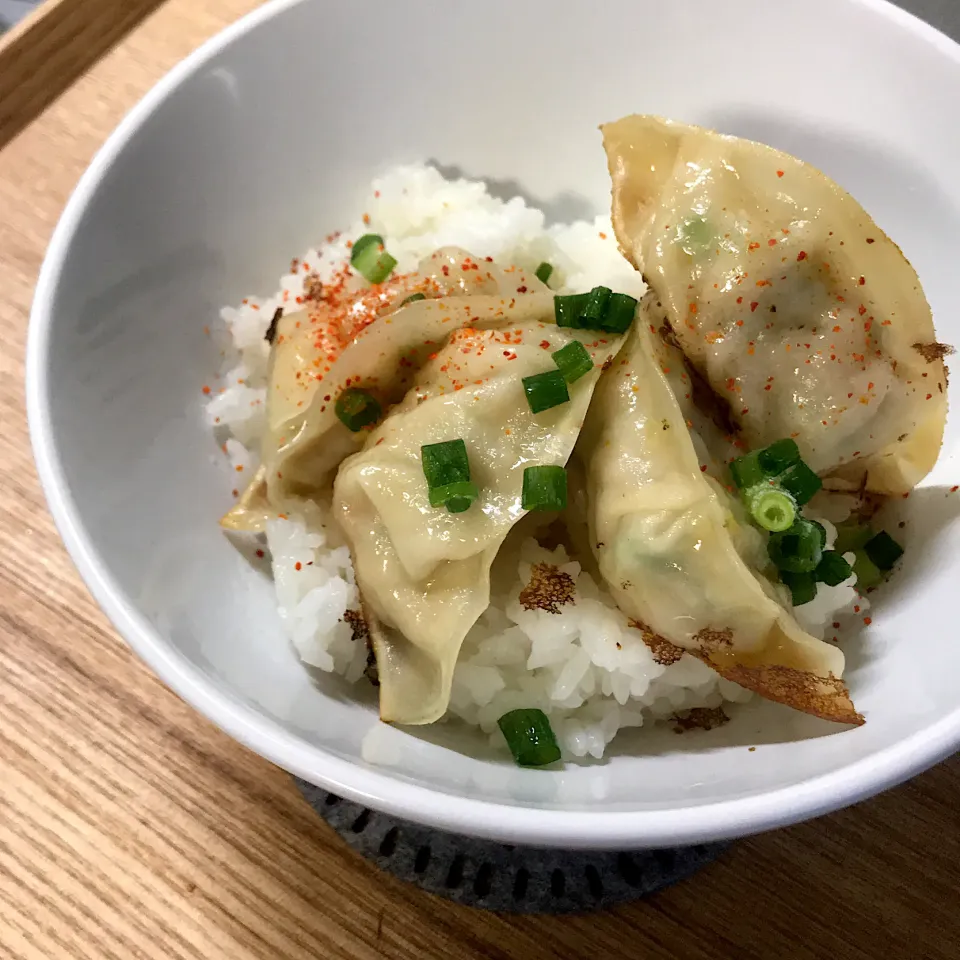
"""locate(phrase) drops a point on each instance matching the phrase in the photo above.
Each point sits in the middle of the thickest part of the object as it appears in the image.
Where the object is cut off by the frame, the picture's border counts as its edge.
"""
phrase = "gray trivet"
(495, 876)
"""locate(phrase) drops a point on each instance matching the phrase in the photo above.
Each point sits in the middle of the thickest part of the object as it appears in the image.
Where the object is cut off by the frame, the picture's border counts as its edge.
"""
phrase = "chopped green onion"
(356, 408)
(771, 508)
(868, 573)
(803, 586)
(592, 312)
(746, 471)
(372, 240)
(832, 569)
(800, 482)
(413, 298)
(544, 488)
(545, 390)
(778, 456)
(567, 309)
(851, 536)
(370, 259)
(573, 360)
(883, 550)
(543, 272)
(822, 530)
(456, 497)
(530, 737)
(621, 309)
(798, 549)
(597, 310)
(445, 463)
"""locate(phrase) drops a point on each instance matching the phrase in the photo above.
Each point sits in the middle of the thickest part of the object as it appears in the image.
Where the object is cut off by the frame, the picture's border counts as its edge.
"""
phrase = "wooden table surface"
(132, 828)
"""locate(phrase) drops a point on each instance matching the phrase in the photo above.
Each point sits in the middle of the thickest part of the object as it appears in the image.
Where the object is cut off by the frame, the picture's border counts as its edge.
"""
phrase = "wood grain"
(46, 52)
(131, 829)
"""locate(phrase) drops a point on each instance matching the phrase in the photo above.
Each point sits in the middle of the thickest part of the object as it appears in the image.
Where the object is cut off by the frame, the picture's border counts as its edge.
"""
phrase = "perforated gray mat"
(496, 876)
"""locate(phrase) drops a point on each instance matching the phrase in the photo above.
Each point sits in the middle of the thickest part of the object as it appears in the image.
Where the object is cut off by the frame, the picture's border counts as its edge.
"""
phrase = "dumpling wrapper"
(304, 441)
(423, 572)
(786, 296)
(661, 533)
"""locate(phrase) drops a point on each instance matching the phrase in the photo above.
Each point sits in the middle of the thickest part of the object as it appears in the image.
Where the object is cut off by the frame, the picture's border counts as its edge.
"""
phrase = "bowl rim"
(505, 822)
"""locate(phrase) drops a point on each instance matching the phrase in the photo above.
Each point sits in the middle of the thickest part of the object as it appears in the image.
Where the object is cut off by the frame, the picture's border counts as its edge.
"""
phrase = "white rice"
(583, 665)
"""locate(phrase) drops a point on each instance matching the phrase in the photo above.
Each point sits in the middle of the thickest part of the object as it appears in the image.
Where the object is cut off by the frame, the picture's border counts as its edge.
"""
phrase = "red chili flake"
(771, 243)
(703, 468)
(862, 310)
(206, 390)
(298, 566)
(849, 395)
(929, 396)
(753, 246)
(488, 259)
(366, 220)
(954, 489)
(863, 281)
(870, 240)
(545, 344)
(521, 289)
(836, 624)
(445, 270)
(739, 299)
(693, 308)
(753, 306)
(768, 387)
(779, 173)
(856, 608)
(260, 554)
(867, 621)
(802, 255)
(603, 236)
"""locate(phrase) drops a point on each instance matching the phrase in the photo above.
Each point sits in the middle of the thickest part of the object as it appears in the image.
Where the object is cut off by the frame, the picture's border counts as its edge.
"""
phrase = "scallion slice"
(832, 569)
(445, 463)
(851, 536)
(456, 497)
(779, 455)
(593, 310)
(797, 550)
(543, 272)
(370, 259)
(573, 361)
(544, 488)
(868, 573)
(800, 482)
(621, 309)
(771, 508)
(567, 309)
(545, 390)
(803, 586)
(356, 408)
(746, 471)
(413, 298)
(883, 550)
(530, 737)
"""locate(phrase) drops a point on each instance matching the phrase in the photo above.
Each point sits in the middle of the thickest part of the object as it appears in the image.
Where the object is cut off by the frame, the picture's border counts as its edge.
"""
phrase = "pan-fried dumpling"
(786, 296)
(424, 573)
(664, 537)
(318, 353)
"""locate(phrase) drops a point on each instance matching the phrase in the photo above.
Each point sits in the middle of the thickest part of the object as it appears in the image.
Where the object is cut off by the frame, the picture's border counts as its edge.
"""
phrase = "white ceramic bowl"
(261, 143)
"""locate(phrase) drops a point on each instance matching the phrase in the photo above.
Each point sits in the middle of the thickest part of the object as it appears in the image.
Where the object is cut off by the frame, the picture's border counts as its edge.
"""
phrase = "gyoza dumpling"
(786, 296)
(662, 535)
(424, 573)
(378, 345)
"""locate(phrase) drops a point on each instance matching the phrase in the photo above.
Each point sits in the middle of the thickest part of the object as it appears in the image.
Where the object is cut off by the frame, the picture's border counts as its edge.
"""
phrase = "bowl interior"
(263, 146)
